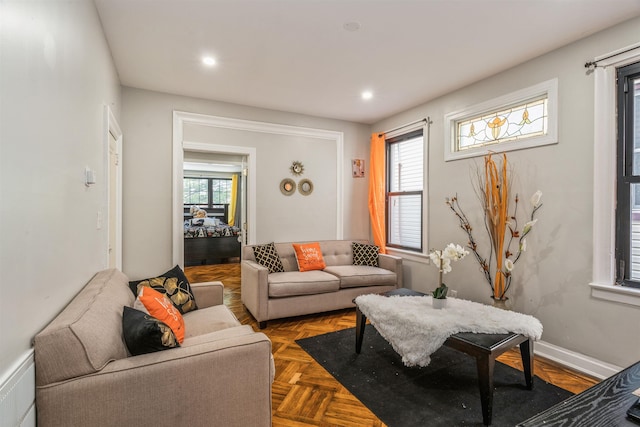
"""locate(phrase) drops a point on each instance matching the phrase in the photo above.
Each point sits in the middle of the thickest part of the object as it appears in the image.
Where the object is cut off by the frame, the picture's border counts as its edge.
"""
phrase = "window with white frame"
(405, 181)
(628, 176)
(522, 119)
(605, 268)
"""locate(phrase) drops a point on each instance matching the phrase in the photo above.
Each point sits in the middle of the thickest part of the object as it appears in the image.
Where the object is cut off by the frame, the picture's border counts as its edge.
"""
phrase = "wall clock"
(297, 168)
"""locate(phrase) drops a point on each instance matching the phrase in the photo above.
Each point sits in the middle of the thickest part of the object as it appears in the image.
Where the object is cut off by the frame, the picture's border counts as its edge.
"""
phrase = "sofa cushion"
(364, 254)
(144, 333)
(352, 276)
(334, 252)
(210, 319)
(309, 256)
(158, 306)
(337, 252)
(87, 334)
(221, 334)
(267, 256)
(302, 283)
(173, 283)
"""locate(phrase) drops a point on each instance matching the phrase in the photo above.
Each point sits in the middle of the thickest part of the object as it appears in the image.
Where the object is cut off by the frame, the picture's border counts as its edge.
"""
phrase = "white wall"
(56, 76)
(551, 281)
(147, 205)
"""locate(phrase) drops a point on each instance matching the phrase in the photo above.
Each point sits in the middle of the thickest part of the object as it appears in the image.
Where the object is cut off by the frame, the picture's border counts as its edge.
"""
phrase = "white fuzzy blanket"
(415, 329)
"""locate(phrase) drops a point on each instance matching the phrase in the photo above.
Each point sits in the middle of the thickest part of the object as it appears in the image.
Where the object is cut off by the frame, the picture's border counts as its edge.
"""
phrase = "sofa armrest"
(208, 294)
(254, 289)
(392, 263)
(226, 382)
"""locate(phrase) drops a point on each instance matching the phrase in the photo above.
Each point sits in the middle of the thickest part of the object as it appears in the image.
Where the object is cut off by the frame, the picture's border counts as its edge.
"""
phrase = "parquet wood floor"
(304, 394)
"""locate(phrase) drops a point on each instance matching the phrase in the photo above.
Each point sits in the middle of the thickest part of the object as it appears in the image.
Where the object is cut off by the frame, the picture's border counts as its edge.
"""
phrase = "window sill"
(616, 293)
(409, 255)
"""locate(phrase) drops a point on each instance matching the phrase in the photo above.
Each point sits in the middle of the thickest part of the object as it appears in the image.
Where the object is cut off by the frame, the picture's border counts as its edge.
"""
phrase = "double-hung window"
(405, 181)
(628, 176)
(206, 192)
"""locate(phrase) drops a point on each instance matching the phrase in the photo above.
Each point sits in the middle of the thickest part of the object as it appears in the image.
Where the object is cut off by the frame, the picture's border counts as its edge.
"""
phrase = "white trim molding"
(577, 361)
(250, 154)
(547, 88)
(17, 393)
(113, 128)
(180, 118)
(604, 178)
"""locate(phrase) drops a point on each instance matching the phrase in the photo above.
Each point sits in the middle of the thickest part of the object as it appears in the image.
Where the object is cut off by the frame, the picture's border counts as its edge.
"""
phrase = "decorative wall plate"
(297, 168)
(305, 187)
(287, 186)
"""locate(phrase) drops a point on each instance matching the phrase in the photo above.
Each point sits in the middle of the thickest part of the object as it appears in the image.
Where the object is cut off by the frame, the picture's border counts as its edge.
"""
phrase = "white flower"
(442, 259)
(508, 264)
(523, 245)
(454, 252)
(528, 225)
(462, 252)
(446, 265)
(536, 198)
(450, 252)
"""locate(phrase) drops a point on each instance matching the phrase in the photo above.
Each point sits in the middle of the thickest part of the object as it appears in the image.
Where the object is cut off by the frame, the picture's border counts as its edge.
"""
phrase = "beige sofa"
(221, 375)
(278, 295)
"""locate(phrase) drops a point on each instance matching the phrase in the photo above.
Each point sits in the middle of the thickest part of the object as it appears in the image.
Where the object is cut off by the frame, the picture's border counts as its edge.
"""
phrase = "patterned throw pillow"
(173, 283)
(145, 334)
(267, 256)
(309, 256)
(365, 254)
(159, 306)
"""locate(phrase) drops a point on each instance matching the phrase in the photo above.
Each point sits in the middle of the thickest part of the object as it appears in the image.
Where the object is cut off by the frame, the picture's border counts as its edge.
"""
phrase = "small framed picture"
(358, 168)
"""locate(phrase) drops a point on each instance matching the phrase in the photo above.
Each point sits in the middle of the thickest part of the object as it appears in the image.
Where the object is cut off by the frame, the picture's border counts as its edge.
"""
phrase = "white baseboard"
(18, 394)
(579, 362)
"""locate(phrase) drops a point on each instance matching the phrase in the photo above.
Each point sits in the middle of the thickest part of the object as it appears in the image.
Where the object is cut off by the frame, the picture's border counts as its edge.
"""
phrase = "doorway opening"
(192, 124)
(214, 207)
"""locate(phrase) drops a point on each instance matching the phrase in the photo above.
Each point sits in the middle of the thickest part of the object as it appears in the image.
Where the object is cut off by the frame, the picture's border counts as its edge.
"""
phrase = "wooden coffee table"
(604, 404)
(484, 347)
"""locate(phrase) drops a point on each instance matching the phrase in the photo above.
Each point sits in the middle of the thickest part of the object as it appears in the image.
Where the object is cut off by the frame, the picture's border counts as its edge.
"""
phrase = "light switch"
(89, 177)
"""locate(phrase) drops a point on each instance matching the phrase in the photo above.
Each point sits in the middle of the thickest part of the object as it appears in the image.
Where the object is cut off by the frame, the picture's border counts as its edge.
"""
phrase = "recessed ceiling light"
(209, 60)
(367, 94)
(351, 26)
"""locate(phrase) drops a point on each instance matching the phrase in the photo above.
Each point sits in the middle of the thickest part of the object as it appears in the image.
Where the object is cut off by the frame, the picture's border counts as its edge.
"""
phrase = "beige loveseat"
(221, 374)
(292, 292)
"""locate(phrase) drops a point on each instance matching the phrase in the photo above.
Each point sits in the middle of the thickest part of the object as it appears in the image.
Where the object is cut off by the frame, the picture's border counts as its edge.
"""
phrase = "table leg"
(361, 321)
(485, 365)
(526, 353)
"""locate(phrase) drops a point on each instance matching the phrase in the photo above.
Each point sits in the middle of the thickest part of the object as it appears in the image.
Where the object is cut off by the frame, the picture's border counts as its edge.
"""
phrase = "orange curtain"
(377, 190)
(234, 200)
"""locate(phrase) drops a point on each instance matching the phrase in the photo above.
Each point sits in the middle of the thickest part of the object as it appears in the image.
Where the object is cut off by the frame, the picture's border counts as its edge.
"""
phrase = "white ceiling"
(296, 55)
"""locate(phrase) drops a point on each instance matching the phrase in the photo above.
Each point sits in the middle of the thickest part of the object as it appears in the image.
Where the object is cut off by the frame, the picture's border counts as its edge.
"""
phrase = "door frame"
(249, 153)
(180, 118)
(112, 127)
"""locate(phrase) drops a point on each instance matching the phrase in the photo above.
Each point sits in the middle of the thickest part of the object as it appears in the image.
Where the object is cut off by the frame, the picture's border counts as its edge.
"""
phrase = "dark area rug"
(445, 393)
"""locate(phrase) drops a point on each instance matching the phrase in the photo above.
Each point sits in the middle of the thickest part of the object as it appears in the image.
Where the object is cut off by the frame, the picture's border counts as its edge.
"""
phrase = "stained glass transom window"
(521, 121)
(526, 118)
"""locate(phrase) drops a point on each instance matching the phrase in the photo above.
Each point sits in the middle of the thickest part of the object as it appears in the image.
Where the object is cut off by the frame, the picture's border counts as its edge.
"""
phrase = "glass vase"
(500, 302)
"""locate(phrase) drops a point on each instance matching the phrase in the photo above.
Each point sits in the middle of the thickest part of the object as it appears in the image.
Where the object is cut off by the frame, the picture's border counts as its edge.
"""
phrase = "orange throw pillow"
(309, 256)
(160, 307)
